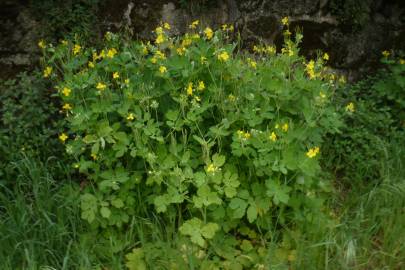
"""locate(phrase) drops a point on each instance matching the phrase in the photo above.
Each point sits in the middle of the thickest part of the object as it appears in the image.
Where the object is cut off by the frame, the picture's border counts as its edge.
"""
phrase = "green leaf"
(117, 203)
(252, 213)
(239, 207)
(218, 160)
(135, 260)
(105, 212)
(88, 206)
(279, 193)
(209, 230)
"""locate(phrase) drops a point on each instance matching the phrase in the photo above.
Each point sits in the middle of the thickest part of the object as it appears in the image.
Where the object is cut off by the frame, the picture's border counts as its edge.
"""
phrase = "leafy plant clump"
(374, 111)
(221, 144)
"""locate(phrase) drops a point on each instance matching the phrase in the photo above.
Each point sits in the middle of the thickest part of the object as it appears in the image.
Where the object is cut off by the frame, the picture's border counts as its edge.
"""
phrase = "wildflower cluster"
(188, 126)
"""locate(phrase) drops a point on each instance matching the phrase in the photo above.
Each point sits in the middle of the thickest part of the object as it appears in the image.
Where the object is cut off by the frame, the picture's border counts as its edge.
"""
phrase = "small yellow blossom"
(166, 26)
(197, 98)
(224, 27)
(252, 63)
(47, 72)
(111, 53)
(101, 86)
(231, 98)
(194, 24)
(160, 39)
(189, 89)
(91, 64)
(350, 107)
(160, 55)
(203, 60)
(211, 168)
(76, 49)
(271, 50)
(180, 50)
(277, 126)
(144, 50)
(285, 127)
(208, 33)
(243, 135)
(116, 75)
(126, 81)
(42, 44)
(273, 136)
(201, 85)
(153, 60)
(162, 69)
(386, 53)
(325, 57)
(67, 107)
(284, 21)
(313, 152)
(224, 56)
(402, 61)
(159, 30)
(231, 28)
(63, 137)
(66, 91)
(130, 117)
(322, 95)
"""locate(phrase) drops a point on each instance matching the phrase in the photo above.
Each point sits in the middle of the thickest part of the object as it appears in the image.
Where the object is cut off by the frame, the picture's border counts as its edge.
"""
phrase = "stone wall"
(353, 51)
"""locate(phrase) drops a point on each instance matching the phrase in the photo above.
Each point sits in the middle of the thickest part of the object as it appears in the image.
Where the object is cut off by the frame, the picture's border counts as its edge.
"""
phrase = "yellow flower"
(126, 81)
(243, 135)
(277, 126)
(322, 95)
(313, 152)
(67, 107)
(47, 72)
(194, 24)
(130, 117)
(386, 53)
(159, 30)
(160, 39)
(201, 85)
(162, 69)
(271, 49)
(66, 91)
(166, 26)
(42, 44)
(325, 57)
(144, 50)
(111, 53)
(203, 60)
(160, 55)
(116, 75)
(91, 64)
(224, 56)
(230, 28)
(63, 137)
(284, 21)
(285, 127)
(231, 98)
(252, 63)
(224, 27)
(76, 49)
(273, 136)
(197, 98)
(350, 107)
(189, 89)
(153, 60)
(180, 50)
(211, 168)
(208, 33)
(101, 86)
(402, 61)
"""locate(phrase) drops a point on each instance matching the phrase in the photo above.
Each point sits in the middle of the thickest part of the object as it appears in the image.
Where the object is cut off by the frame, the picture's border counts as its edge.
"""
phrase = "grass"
(41, 228)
